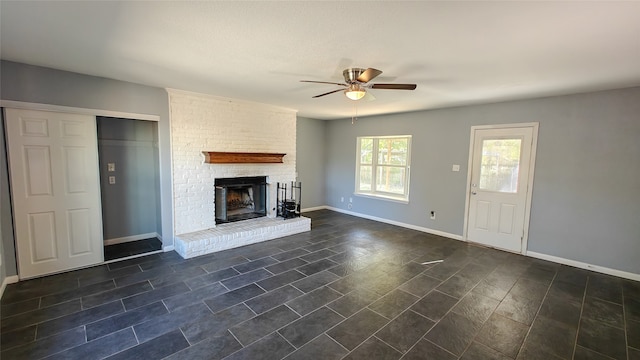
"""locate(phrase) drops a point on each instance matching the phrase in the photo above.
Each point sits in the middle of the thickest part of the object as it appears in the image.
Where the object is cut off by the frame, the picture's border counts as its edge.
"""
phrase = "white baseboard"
(131, 238)
(397, 223)
(315, 208)
(586, 266)
(168, 248)
(8, 280)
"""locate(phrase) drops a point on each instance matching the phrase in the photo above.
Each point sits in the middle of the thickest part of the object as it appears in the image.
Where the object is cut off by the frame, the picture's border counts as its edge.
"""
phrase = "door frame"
(25, 105)
(532, 161)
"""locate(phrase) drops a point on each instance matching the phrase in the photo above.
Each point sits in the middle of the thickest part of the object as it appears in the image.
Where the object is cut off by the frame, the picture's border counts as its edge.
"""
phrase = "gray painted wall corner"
(9, 266)
(311, 160)
(3, 257)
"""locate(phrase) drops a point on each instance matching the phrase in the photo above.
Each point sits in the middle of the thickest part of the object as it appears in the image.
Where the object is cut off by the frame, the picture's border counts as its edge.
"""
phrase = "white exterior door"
(499, 190)
(55, 190)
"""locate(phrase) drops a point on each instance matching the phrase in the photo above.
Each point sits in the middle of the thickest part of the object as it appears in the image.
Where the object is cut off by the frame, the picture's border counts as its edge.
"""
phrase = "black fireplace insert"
(240, 198)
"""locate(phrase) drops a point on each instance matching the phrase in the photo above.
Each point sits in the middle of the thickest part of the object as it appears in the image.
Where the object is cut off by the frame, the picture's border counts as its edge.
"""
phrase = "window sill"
(383, 197)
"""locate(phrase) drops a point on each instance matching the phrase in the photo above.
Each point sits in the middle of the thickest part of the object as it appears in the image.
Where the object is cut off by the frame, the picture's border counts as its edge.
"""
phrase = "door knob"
(473, 193)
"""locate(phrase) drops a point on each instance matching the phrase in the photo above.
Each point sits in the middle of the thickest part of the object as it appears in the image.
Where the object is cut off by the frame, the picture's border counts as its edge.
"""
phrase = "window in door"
(500, 165)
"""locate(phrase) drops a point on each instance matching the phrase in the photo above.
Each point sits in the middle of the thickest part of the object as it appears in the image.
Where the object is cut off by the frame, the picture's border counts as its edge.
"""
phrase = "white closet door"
(55, 190)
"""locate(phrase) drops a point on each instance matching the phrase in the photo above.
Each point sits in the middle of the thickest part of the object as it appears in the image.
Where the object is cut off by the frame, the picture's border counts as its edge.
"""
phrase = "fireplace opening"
(240, 198)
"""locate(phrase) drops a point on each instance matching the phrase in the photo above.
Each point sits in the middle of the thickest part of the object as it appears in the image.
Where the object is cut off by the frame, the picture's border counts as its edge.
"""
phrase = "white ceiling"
(456, 52)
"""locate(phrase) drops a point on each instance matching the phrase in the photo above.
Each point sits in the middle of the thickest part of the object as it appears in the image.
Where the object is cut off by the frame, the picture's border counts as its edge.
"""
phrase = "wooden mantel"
(214, 157)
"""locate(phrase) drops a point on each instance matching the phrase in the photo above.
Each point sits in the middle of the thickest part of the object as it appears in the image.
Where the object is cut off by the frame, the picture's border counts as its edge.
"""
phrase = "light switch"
(455, 168)
(112, 180)
(111, 167)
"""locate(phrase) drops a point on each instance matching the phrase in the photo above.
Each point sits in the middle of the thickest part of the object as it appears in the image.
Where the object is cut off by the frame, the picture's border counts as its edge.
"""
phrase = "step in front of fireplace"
(236, 234)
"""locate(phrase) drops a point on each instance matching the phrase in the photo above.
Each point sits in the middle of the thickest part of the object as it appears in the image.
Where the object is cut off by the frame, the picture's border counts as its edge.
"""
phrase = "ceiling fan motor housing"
(351, 75)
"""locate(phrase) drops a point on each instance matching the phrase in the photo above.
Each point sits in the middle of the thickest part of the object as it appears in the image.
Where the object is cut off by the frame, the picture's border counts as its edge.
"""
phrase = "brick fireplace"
(206, 123)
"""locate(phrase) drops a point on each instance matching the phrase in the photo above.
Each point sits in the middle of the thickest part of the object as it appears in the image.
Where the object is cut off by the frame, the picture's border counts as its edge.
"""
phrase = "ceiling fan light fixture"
(354, 92)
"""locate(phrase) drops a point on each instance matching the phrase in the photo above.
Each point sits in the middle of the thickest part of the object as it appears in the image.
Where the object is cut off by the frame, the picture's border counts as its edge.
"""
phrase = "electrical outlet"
(350, 206)
(112, 180)
(432, 215)
(111, 167)
(351, 200)
(342, 199)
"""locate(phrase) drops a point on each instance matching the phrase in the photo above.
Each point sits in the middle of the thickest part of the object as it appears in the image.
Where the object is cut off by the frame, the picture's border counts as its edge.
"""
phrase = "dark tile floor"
(131, 248)
(349, 289)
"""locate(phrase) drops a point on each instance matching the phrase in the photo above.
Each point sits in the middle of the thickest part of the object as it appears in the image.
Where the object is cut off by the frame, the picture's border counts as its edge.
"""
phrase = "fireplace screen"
(240, 198)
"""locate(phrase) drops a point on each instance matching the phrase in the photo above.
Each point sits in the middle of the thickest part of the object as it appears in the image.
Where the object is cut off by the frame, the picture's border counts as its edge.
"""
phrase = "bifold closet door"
(55, 190)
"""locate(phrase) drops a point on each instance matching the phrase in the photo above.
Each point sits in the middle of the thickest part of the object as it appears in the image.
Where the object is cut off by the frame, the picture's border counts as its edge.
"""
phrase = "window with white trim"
(382, 166)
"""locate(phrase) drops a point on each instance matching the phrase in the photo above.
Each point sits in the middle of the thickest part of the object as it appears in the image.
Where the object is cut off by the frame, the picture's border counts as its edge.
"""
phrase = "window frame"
(404, 197)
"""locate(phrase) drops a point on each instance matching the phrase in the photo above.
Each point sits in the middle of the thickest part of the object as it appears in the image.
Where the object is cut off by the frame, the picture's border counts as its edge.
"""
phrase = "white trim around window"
(383, 166)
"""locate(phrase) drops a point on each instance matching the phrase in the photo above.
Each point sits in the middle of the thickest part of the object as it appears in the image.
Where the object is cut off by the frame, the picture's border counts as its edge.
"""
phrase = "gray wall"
(585, 204)
(310, 160)
(20, 82)
(129, 206)
(3, 265)
(6, 223)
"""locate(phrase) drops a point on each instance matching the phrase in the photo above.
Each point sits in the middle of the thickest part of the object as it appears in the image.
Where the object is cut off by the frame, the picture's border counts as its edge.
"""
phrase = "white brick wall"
(206, 123)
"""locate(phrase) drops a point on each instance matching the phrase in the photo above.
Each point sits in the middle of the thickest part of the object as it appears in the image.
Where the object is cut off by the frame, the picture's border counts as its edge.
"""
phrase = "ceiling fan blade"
(368, 75)
(330, 92)
(323, 82)
(394, 86)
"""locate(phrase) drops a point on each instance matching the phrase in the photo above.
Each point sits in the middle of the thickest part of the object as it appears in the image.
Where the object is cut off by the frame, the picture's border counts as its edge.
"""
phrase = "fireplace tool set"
(288, 200)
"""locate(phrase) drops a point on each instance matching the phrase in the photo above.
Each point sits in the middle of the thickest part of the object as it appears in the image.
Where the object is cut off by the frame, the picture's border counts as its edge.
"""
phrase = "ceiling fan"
(356, 82)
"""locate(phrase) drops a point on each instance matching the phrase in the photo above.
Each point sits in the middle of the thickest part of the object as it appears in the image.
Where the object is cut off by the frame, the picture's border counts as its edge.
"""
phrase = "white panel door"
(55, 190)
(500, 167)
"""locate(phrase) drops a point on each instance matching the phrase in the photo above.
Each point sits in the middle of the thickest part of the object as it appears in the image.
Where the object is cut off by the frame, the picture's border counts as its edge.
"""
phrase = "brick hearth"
(231, 235)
